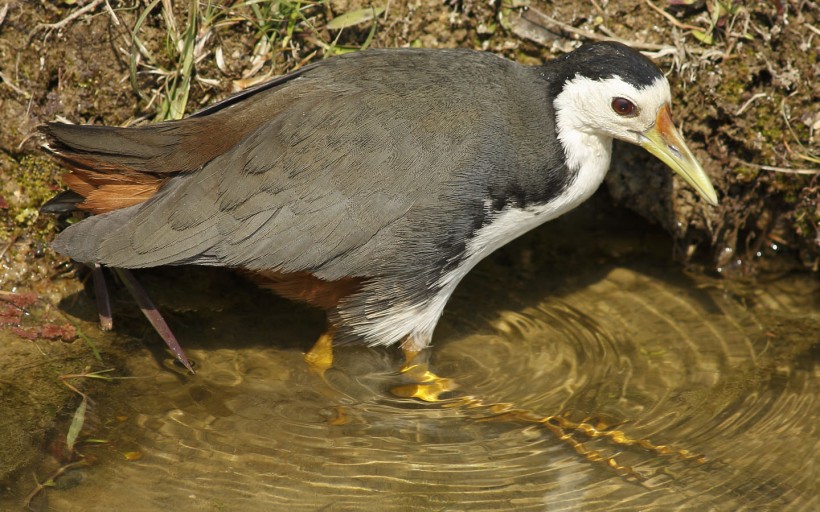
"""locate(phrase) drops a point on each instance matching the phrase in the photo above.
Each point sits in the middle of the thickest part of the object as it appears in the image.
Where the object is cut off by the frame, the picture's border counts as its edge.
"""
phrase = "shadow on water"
(581, 318)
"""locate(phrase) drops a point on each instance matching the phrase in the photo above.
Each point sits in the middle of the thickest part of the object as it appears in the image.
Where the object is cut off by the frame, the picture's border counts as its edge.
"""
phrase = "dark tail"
(158, 149)
(112, 168)
(65, 202)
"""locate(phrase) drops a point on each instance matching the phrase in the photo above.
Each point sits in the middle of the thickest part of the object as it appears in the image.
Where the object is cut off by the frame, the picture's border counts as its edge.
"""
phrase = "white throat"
(587, 152)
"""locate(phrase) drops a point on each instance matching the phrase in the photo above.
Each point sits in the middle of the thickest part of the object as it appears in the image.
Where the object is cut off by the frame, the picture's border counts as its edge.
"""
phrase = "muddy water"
(612, 333)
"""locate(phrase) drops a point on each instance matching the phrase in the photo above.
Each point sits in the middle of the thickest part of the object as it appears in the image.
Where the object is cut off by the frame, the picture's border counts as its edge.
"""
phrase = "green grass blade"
(352, 18)
(76, 425)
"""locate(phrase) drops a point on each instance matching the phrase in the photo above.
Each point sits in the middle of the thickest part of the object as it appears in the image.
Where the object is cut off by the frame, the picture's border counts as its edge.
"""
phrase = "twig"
(111, 13)
(569, 29)
(68, 19)
(749, 102)
(11, 85)
(786, 170)
(671, 18)
(50, 481)
(598, 8)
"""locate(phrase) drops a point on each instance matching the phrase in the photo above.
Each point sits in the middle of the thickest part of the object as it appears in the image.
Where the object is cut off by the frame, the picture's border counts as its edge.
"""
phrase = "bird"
(367, 184)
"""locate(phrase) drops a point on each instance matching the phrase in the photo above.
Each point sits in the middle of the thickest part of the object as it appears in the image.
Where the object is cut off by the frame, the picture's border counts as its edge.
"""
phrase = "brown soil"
(747, 101)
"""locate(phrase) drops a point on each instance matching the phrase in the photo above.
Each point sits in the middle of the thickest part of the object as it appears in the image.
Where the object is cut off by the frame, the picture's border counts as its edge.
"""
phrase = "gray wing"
(352, 176)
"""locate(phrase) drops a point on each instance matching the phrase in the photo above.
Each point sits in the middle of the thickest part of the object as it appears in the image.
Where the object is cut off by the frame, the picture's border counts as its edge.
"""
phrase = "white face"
(591, 106)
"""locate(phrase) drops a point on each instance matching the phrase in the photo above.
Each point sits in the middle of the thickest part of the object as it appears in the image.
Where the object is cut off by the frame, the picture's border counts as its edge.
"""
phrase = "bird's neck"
(588, 156)
(587, 153)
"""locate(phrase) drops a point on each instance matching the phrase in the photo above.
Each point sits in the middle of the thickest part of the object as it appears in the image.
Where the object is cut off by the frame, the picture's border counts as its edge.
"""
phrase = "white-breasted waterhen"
(367, 184)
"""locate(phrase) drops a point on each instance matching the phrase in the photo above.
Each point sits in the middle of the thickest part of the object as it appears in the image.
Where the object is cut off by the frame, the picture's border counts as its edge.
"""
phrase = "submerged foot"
(424, 384)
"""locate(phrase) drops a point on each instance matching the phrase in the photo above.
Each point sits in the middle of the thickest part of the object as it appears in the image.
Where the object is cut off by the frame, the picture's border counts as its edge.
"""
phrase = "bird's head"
(610, 90)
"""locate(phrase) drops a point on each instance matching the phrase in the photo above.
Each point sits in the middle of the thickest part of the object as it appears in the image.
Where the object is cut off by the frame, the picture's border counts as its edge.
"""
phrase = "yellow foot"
(426, 385)
(319, 358)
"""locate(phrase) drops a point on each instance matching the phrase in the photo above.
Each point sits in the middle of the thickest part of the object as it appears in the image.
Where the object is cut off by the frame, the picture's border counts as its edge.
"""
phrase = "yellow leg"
(320, 357)
(425, 385)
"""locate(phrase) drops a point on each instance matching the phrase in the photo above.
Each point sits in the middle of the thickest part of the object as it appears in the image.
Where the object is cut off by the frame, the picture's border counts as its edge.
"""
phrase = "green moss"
(747, 172)
(26, 216)
(38, 179)
(770, 129)
(731, 91)
(31, 181)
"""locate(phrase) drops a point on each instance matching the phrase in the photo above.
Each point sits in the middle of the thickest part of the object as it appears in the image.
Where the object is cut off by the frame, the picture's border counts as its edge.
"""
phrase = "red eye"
(624, 107)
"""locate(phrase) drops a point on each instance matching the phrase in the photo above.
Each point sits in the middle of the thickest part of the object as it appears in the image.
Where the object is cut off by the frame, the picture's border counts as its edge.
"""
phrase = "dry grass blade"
(137, 47)
(3, 12)
(750, 101)
(170, 19)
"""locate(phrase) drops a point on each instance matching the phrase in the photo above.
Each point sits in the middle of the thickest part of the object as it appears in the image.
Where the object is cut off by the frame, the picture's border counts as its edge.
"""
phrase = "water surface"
(577, 321)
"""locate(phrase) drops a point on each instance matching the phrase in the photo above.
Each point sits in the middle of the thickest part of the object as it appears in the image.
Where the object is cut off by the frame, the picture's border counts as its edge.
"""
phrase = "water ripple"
(674, 361)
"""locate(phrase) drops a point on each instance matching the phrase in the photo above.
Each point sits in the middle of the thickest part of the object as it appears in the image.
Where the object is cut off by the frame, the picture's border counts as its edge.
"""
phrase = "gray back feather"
(379, 165)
